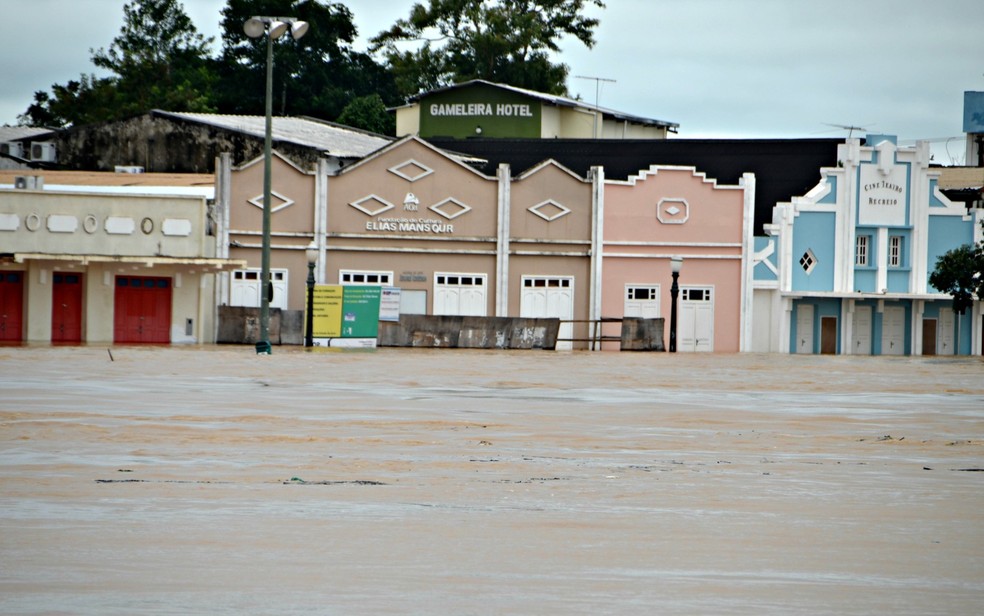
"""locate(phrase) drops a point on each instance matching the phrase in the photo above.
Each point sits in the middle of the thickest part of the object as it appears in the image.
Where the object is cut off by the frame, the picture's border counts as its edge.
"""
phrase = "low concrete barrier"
(241, 325)
(642, 334)
(439, 331)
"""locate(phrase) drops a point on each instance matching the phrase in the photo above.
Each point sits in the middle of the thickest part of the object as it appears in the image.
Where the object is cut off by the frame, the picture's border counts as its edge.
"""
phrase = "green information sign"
(346, 311)
(360, 312)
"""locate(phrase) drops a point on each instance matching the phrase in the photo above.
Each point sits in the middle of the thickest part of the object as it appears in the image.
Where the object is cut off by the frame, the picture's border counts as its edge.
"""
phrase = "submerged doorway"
(142, 309)
(861, 329)
(828, 335)
(11, 306)
(66, 307)
(550, 297)
(929, 337)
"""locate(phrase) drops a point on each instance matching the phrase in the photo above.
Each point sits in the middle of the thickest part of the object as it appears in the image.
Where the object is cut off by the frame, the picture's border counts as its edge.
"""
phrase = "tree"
(75, 103)
(960, 273)
(368, 113)
(159, 58)
(158, 61)
(317, 75)
(505, 41)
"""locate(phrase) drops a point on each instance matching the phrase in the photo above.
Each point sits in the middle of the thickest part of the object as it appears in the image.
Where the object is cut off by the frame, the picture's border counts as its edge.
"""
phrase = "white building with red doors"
(107, 258)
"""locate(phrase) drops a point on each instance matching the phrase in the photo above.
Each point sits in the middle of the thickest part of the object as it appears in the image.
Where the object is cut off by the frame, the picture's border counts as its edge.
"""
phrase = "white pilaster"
(504, 176)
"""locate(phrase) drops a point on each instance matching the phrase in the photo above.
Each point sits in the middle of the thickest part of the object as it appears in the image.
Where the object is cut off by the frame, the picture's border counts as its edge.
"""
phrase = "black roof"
(783, 168)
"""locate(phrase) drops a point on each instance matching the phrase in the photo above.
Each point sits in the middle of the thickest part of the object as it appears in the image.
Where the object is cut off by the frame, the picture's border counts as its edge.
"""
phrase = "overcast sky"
(718, 68)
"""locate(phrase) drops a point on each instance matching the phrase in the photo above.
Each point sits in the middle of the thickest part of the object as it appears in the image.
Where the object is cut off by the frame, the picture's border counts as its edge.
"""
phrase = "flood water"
(400, 481)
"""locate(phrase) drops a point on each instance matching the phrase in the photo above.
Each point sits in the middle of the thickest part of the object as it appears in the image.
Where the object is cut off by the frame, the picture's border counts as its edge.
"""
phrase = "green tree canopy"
(317, 75)
(960, 273)
(505, 41)
(369, 113)
(159, 60)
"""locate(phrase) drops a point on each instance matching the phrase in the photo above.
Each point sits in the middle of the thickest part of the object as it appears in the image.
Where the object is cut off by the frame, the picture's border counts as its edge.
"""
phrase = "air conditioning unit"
(12, 148)
(29, 182)
(43, 151)
(129, 169)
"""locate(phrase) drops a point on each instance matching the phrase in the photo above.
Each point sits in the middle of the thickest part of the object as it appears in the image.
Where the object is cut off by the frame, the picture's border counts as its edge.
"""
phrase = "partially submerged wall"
(441, 331)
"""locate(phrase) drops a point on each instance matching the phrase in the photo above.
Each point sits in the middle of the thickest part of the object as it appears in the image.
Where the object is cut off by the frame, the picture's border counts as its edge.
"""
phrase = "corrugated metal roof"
(334, 139)
(17, 133)
(560, 101)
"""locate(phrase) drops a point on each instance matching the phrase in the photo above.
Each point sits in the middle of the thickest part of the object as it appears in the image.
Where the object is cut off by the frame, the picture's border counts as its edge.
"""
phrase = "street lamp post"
(676, 264)
(312, 257)
(274, 28)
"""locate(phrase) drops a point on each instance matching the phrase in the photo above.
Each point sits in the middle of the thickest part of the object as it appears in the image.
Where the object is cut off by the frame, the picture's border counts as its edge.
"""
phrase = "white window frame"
(365, 277)
(895, 246)
(696, 294)
(548, 282)
(641, 299)
(250, 276)
(861, 245)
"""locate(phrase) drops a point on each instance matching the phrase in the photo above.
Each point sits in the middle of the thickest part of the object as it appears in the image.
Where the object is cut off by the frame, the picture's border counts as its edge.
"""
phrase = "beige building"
(456, 241)
(107, 258)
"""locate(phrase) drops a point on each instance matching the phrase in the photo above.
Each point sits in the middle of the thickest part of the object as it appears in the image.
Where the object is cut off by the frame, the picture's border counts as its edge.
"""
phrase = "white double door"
(893, 331)
(861, 330)
(461, 294)
(546, 297)
(695, 329)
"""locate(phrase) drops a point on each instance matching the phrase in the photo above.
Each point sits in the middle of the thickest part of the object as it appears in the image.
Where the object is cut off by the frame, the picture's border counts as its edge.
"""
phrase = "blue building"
(845, 268)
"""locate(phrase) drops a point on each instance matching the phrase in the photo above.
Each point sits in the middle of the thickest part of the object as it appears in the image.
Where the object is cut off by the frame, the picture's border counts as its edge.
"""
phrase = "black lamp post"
(274, 28)
(312, 257)
(676, 263)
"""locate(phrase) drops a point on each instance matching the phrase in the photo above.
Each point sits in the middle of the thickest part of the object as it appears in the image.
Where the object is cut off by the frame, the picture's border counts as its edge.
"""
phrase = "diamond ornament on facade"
(411, 170)
(808, 261)
(673, 211)
(372, 205)
(277, 201)
(450, 208)
(549, 210)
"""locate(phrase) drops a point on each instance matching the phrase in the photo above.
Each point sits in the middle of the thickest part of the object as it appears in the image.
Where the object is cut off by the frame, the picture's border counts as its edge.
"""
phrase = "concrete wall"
(432, 331)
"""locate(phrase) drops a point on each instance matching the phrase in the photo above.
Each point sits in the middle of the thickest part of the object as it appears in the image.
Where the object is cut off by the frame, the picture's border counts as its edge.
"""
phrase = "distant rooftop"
(16, 133)
(334, 139)
(195, 184)
(560, 101)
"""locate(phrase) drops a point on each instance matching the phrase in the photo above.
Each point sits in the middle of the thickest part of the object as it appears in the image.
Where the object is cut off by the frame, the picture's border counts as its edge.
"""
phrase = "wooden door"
(828, 335)
(11, 306)
(929, 337)
(142, 309)
(66, 307)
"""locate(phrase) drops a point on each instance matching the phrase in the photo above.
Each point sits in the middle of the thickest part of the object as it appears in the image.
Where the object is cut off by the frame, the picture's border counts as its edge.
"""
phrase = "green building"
(483, 109)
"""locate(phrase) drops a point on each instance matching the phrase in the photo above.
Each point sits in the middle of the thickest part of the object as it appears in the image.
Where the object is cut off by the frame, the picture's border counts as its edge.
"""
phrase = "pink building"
(665, 212)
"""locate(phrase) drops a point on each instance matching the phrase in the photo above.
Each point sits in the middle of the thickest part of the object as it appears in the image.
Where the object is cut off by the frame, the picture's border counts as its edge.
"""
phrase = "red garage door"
(66, 308)
(11, 306)
(142, 309)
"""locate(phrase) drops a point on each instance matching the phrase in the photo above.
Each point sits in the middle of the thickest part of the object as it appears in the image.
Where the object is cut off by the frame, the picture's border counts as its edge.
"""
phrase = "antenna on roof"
(597, 81)
(848, 127)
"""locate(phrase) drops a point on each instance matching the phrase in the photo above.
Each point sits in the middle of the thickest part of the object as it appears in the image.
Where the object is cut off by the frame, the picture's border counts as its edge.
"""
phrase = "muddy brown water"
(211, 480)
